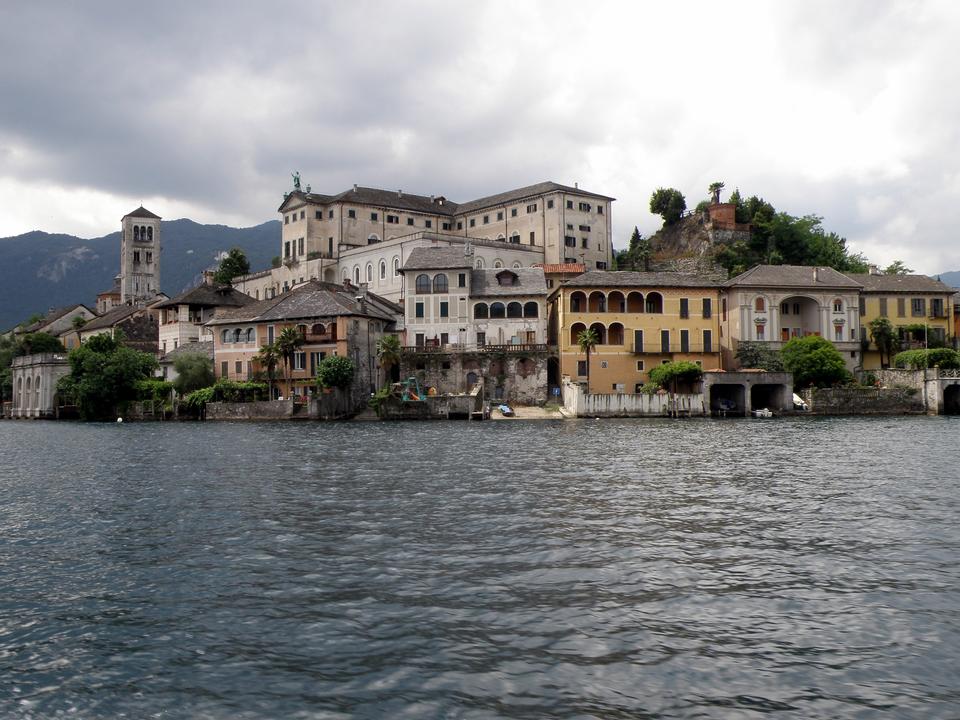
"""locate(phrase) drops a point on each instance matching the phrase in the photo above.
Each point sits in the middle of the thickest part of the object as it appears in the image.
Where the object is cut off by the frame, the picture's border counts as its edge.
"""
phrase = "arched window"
(515, 238)
(251, 336)
(601, 333)
(759, 305)
(479, 263)
(346, 275)
(635, 302)
(318, 329)
(396, 266)
(369, 273)
(136, 233)
(497, 264)
(837, 305)
(598, 302)
(423, 284)
(655, 303)
(236, 335)
(616, 302)
(498, 310)
(440, 283)
(531, 309)
(480, 311)
(373, 239)
(302, 330)
(575, 331)
(383, 269)
(615, 334)
(225, 336)
(517, 266)
(514, 310)
(578, 302)
(356, 275)
(149, 234)
(500, 237)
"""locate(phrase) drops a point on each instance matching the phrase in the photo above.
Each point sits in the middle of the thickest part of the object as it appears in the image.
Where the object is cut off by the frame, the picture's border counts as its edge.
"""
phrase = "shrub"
(814, 360)
(335, 371)
(919, 359)
(685, 372)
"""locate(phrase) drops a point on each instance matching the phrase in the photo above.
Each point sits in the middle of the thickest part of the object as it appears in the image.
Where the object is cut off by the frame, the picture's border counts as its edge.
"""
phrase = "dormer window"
(507, 278)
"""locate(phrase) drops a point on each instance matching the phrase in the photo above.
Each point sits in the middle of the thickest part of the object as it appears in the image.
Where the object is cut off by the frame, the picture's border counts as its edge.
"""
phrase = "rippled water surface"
(802, 568)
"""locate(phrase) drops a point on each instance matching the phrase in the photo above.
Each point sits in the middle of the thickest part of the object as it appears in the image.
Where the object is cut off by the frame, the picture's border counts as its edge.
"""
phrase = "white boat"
(762, 412)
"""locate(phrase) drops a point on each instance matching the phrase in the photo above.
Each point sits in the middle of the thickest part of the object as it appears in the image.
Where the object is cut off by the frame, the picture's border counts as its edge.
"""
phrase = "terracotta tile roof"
(900, 283)
(795, 276)
(561, 268)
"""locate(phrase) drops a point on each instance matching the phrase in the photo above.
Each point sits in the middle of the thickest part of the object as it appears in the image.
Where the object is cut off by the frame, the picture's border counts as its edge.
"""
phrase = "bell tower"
(139, 256)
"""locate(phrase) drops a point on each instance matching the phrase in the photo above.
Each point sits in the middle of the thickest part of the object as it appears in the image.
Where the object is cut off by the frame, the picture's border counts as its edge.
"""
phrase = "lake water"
(801, 568)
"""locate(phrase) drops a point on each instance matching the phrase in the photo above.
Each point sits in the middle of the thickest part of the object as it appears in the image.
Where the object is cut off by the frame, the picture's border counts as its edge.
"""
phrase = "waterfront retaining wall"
(866, 401)
(583, 404)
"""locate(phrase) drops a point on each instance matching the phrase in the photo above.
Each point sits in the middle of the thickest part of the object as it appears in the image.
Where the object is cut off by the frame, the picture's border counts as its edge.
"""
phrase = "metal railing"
(473, 347)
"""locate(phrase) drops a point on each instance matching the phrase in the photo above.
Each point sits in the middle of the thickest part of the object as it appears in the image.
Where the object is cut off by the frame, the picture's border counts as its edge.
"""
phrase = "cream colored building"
(366, 235)
(774, 303)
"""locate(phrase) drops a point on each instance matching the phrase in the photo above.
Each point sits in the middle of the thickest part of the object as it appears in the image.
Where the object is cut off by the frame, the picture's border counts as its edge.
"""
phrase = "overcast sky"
(849, 110)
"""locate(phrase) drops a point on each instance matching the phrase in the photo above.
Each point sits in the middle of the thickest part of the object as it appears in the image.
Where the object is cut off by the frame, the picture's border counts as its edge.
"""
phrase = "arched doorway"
(951, 400)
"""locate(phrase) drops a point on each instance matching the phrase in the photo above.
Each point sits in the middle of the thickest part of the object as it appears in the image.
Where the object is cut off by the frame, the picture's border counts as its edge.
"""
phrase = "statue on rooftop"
(296, 181)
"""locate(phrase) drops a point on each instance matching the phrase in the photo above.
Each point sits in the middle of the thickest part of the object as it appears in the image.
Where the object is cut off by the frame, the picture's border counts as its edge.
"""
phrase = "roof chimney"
(816, 274)
(431, 199)
(399, 193)
(576, 185)
(873, 269)
(354, 187)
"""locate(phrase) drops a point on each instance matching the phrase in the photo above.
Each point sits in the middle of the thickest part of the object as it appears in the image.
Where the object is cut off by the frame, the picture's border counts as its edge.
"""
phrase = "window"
(352, 214)
(391, 219)
(684, 308)
(410, 222)
(532, 208)
(549, 204)
(685, 341)
(584, 228)
(583, 242)
(238, 367)
(419, 310)
(707, 341)
(838, 332)
(531, 309)
(443, 226)
(300, 246)
(584, 207)
(330, 214)
(462, 280)
(707, 308)
(601, 265)
(299, 361)
(223, 368)
(723, 309)
(445, 340)
(862, 306)
(796, 308)
(396, 266)
(498, 310)
(918, 307)
(481, 339)
(760, 332)
(500, 215)
(270, 333)
(444, 309)
(638, 341)
(901, 307)
(301, 214)
(581, 368)
(759, 305)
(317, 215)
(423, 285)
(460, 225)
(639, 365)
(569, 204)
(838, 306)
(599, 209)
(286, 221)
(136, 256)
(383, 269)
(665, 341)
(374, 217)
(480, 311)
(533, 237)
(936, 304)
(569, 241)
(426, 223)
(440, 283)
(286, 249)
(513, 212)
(369, 273)
(473, 222)
(784, 308)
(883, 307)
(486, 219)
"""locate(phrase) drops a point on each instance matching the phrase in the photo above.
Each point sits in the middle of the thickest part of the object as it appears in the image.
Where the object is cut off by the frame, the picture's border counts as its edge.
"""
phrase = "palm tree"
(268, 357)
(288, 342)
(388, 351)
(587, 340)
(714, 189)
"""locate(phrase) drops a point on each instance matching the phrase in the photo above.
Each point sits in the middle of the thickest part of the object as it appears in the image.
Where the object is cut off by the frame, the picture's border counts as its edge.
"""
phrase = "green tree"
(759, 356)
(921, 359)
(335, 371)
(667, 376)
(814, 360)
(669, 204)
(234, 263)
(104, 376)
(884, 337)
(194, 371)
(288, 342)
(637, 255)
(587, 340)
(33, 343)
(268, 358)
(388, 351)
(897, 267)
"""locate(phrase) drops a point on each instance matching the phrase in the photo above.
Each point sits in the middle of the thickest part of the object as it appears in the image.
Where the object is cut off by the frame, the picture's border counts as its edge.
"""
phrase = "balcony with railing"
(430, 347)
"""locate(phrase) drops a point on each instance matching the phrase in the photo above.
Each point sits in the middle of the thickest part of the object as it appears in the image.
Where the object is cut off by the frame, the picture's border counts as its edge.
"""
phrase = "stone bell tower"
(139, 256)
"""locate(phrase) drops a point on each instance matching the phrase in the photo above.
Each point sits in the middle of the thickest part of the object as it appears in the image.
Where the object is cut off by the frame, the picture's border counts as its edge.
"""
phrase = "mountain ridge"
(41, 270)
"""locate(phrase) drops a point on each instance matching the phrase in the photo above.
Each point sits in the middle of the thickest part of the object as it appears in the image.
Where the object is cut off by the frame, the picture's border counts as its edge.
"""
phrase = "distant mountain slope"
(39, 271)
(951, 278)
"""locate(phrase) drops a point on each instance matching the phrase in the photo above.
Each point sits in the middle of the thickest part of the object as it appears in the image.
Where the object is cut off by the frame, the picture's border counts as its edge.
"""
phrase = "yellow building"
(641, 319)
(919, 308)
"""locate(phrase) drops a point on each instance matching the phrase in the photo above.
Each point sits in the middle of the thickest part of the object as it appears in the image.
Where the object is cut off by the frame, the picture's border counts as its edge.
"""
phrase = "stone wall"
(865, 401)
(263, 410)
(898, 378)
(582, 404)
(518, 377)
